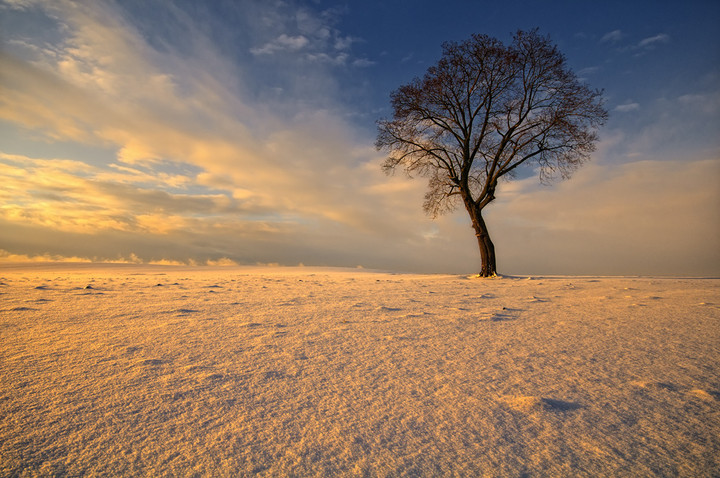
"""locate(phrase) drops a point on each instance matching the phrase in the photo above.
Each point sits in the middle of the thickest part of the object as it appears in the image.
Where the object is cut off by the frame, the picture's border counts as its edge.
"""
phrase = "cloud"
(303, 31)
(590, 70)
(612, 37)
(344, 43)
(282, 43)
(223, 261)
(706, 103)
(363, 62)
(652, 41)
(77, 197)
(339, 59)
(185, 123)
(197, 160)
(651, 216)
(673, 128)
(6, 256)
(627, 107)
(17, 4)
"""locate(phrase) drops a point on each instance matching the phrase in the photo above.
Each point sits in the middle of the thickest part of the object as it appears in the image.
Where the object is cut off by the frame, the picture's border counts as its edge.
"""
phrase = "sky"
(179, 131)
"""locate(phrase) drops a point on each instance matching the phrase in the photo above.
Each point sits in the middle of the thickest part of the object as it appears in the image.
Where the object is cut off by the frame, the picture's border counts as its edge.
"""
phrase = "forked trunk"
(487, 248)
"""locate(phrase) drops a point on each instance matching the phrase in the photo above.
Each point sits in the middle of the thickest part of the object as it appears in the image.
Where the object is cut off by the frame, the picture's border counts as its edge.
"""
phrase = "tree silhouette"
(481, 112)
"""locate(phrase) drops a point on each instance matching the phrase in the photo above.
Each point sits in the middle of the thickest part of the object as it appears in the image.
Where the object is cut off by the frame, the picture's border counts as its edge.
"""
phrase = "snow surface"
(170, 371)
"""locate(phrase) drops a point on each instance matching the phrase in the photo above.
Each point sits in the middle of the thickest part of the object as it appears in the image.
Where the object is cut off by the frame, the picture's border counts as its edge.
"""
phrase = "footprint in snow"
(652, 385)
(176, 395)
(532, 404)
(505, 314)
(186, 311)
(273, 375)
(290, 303)
(501, 317)
(195, 368)
(152, 362)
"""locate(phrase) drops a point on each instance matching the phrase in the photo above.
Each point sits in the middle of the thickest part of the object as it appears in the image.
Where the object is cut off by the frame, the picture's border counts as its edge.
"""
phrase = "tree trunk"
(487, 248)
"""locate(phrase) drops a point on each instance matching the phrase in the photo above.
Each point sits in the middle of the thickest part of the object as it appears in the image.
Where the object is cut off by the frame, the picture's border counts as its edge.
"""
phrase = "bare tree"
(480, 113)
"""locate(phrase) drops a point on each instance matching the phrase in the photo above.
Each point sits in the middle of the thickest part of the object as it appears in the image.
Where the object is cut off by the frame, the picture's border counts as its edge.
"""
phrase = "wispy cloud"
(311, 37)
(627, 107)
(651, 42)
(615, 37)
(193, 152)
(708, 103)
(363, 63)
(588, 71)
(6, 256)
(612, 37)
(77, 197)
(282, 43)
(18, 4)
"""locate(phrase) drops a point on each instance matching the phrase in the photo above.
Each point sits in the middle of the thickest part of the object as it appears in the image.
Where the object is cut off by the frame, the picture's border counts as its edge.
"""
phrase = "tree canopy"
(482, 111)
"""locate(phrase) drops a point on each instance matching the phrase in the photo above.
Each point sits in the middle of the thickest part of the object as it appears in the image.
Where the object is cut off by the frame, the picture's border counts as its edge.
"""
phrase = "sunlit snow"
(173, 371)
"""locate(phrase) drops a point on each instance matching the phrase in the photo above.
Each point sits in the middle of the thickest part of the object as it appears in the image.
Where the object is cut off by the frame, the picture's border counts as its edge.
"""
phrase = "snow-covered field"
(171, 371)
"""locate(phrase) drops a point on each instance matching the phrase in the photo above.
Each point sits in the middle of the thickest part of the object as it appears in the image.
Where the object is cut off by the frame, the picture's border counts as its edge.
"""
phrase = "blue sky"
(198, 132)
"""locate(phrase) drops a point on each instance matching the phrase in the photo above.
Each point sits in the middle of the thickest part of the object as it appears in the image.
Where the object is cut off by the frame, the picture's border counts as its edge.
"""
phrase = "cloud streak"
(651, 42)
(253, 173)
(612, 37)
(282, 43)
(627, 107)
(184, 116)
